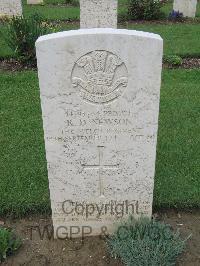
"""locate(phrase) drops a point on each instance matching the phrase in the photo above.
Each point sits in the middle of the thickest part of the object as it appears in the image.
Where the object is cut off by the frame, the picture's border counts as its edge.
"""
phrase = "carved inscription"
(100, 76)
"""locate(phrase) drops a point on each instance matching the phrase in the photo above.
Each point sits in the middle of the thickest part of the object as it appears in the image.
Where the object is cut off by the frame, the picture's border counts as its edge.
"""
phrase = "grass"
(24, 183)
(179, 39)
(54, 9)
(52, 12)
(177, 180)
(5, 51)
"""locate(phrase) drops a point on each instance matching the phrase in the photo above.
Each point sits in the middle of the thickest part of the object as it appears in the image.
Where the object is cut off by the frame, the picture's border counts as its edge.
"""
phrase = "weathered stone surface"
(10, 8)
(187, 7)
(34, 2)
(100, 102)
(98, 13)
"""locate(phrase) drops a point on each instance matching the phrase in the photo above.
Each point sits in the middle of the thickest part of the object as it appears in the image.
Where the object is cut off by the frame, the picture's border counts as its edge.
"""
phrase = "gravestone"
(10, 8)
(100, 93)
(34, 2)
(98, 13)
(187, 7)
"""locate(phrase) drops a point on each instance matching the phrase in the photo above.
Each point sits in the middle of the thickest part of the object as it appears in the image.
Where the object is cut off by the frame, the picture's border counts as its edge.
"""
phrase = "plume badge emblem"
(100, 76)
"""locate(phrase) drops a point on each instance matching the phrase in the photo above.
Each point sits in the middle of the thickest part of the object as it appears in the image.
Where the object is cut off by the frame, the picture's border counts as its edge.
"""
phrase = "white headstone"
(187, 7)
(34, 2)
(100, 93)
(10, 8)
(98, 13)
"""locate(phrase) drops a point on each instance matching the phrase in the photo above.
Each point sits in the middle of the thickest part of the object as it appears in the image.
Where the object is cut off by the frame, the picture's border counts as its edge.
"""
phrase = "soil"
(92, 251)
(188, 63)
(15, 65)
(191, 63)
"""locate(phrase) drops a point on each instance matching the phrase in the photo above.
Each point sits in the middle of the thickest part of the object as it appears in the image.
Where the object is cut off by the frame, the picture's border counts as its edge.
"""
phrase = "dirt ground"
(14, 65)
(91, 251)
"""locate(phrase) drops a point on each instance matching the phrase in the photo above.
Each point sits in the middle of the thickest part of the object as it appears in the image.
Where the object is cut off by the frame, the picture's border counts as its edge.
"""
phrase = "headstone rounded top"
(98, 31)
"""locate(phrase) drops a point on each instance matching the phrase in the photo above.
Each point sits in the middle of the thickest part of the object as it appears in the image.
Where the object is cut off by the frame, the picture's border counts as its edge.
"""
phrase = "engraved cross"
(100, 167)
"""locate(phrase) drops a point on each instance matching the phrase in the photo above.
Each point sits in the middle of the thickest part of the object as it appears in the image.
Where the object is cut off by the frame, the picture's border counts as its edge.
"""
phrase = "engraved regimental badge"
(100, 76)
